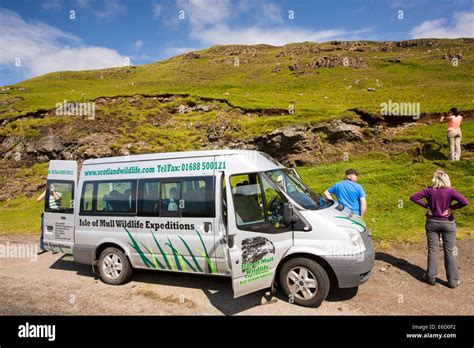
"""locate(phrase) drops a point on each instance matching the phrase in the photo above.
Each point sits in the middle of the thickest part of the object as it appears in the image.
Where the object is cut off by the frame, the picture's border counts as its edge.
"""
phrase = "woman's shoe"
(452, 286)
(429, 280)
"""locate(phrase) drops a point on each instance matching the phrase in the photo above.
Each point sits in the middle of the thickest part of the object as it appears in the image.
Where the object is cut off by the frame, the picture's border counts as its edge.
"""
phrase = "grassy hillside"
(254, 96)
(422, 75)
(387, 182)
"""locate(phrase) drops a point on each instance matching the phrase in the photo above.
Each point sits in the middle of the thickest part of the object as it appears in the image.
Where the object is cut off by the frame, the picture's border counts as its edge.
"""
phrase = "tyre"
(304, 282)
(114, 267)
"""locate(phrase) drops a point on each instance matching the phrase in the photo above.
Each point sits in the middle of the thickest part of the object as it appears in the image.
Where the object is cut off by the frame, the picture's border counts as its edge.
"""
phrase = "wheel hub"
(302, 283)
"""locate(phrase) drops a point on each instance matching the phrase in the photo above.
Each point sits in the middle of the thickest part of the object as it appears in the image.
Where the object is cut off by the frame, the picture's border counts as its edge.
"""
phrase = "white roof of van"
(166, 155)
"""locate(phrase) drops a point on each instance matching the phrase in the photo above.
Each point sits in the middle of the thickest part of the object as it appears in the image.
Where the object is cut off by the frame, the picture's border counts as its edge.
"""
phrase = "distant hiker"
(454, 133)
(349, 193)
(440, 222)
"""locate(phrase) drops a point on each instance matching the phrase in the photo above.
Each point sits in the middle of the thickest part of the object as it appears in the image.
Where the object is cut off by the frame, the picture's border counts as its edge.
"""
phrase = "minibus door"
(58, 218)
(253, 251)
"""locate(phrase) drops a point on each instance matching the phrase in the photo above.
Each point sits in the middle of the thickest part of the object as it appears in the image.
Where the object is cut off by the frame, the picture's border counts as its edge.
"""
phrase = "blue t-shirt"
(349, 194)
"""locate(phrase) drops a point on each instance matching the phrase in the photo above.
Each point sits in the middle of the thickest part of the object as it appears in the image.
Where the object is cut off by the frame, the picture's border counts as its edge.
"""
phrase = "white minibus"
(234, 213)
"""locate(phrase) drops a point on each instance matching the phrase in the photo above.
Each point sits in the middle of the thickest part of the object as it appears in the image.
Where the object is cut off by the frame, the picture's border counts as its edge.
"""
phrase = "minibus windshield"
(297, 190)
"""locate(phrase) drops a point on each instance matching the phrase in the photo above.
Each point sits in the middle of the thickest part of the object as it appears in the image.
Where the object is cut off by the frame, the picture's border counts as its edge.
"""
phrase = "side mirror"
(289, 217)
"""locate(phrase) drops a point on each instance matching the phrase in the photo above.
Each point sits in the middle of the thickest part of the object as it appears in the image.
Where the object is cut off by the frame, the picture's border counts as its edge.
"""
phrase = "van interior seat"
(246, 205)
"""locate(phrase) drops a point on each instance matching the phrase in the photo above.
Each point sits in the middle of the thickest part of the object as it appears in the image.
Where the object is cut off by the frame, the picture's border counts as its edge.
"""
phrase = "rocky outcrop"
(189, 57)
(330, 62)
(309, 144)
(417, 42)
(295, 50)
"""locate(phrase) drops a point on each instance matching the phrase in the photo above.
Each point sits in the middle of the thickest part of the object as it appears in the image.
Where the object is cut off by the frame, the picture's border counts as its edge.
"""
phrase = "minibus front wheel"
(305, 282)
(114, 267)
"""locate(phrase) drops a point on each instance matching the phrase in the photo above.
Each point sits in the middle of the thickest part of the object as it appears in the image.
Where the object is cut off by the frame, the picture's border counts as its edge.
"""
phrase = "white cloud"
(137, 45)
(157, 8)
(80, 58)
(201, 13)
(54, 5)
(43, 48)
(210, 24)
(102, 9)
(224, 35)
(462, 26)
(401, 4)
(261, 12)
(271, 12)
(175, 51)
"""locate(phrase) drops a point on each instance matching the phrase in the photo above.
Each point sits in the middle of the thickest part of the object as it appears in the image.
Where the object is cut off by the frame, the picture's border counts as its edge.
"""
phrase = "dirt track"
(54, 284)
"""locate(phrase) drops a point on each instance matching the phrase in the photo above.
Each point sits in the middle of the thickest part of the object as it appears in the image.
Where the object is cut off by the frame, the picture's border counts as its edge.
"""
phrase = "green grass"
(21, 215)
(316, 94)
(421, 77)
(389, 182)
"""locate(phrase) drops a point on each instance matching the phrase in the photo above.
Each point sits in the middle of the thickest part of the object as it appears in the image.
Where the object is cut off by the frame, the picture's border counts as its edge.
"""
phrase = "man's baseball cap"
(351, 171)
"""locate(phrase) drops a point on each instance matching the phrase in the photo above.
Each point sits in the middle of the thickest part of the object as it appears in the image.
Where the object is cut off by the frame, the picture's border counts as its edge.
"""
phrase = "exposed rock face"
(298, 50)
(330, 62)
(183, 109)
(191, 55)
(417, 42)
(80, 139)
(304, 144)
(10, 101)
(220, 131)
(454, 55)
(240, 50)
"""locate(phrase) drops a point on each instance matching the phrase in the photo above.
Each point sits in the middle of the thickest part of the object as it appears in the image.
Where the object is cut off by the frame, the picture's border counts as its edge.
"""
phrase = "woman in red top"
(440, 222)
(454, 133)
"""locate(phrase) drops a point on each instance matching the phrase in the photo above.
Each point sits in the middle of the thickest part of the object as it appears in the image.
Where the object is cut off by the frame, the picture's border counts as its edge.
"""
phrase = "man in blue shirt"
(349, 193)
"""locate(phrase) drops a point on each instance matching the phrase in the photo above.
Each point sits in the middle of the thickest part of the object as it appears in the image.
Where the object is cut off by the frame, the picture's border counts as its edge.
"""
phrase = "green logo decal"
(181, 261)
(358, 222)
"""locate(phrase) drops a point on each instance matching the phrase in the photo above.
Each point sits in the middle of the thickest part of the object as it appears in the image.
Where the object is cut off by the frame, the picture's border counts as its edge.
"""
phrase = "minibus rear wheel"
(114, 267)
(305, 282)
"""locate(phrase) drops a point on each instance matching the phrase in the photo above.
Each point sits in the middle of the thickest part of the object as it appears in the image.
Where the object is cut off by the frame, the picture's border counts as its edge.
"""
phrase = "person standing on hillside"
(454, 133)
(349, 193)
(440, 222)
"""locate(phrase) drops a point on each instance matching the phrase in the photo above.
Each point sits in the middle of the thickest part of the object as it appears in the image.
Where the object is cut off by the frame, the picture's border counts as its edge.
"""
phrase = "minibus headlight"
(356, 238)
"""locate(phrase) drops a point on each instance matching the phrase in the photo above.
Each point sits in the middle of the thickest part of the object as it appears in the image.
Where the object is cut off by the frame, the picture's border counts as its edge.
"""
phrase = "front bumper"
(354, 270)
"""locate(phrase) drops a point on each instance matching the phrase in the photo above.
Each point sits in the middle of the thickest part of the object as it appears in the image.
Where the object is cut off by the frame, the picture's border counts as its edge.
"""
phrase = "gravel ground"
(54, 284)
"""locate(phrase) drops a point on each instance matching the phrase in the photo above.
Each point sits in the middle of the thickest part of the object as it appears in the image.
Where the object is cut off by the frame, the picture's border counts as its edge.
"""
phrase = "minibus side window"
(248, 199)
(198, 197)
(115, 197)
(149, 198)
(59, 196)
(171, 198)
(273, 203)
(88, 197)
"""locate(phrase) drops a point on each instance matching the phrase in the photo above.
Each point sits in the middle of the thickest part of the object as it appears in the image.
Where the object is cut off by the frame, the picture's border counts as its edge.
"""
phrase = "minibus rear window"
(59, 196)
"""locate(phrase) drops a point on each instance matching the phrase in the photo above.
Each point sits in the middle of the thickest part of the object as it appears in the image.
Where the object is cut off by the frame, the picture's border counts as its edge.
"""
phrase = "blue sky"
(38, 37)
